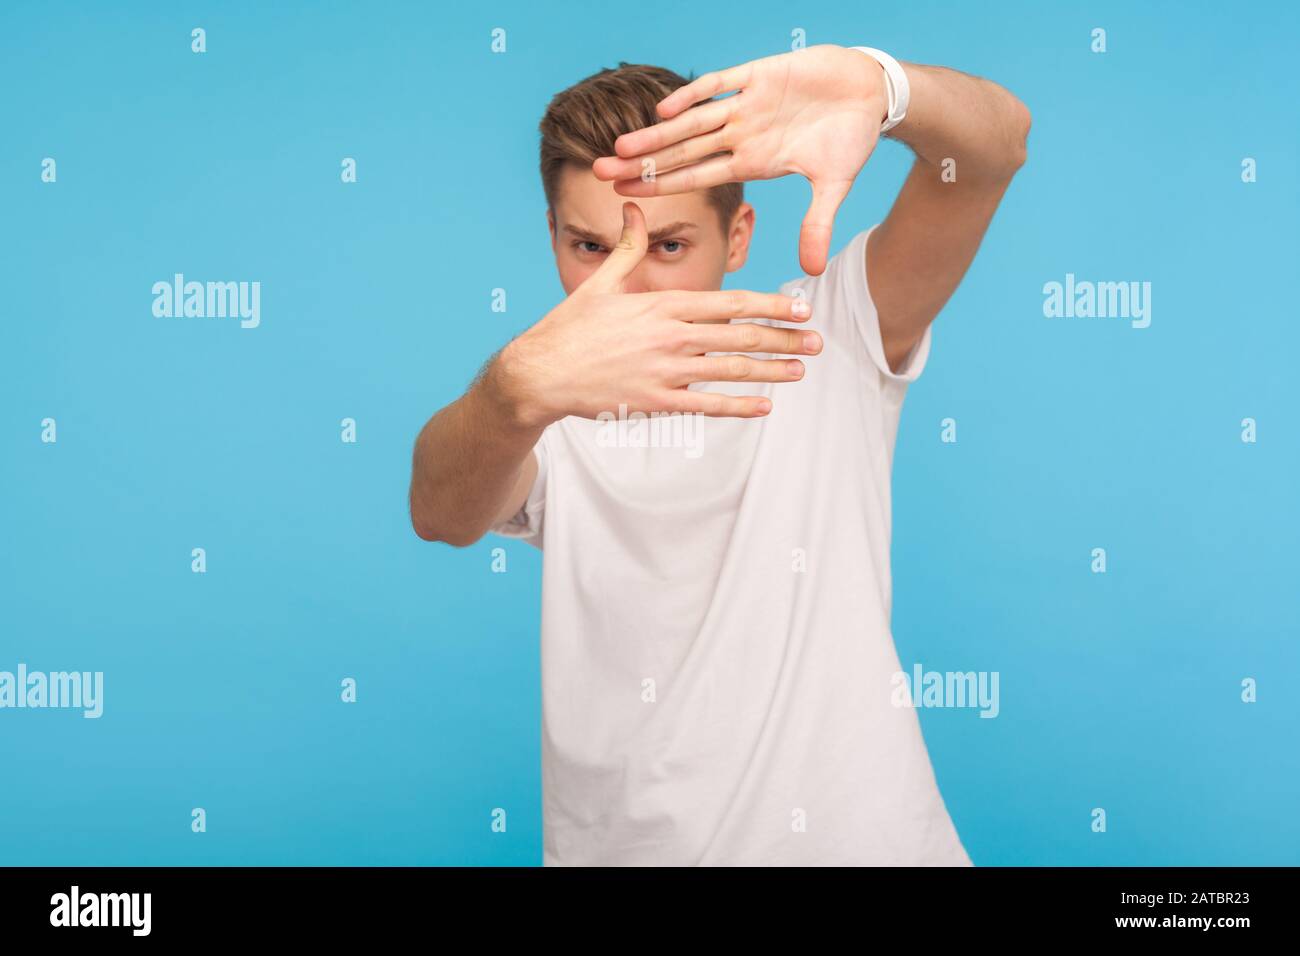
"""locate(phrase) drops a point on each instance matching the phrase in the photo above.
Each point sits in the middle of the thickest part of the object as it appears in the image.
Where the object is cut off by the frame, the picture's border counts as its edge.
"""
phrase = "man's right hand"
(602, 347)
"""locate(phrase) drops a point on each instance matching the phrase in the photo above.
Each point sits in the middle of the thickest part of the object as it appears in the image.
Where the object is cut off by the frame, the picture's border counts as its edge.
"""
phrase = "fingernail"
(795, 367)
(764, 406)
(801, 308)
(812, 342)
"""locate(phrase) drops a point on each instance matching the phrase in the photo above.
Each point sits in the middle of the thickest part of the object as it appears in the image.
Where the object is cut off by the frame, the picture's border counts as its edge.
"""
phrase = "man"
(716, 648)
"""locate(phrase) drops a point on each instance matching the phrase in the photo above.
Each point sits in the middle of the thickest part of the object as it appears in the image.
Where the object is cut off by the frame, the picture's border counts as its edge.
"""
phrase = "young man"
(716, 647)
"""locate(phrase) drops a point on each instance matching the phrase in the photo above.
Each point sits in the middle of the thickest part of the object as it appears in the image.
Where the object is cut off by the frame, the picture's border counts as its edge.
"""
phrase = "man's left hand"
(816, 112)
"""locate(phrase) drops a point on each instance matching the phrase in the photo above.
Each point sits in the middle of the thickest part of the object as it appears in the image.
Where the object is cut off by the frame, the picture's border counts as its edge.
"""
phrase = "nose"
(639, 280)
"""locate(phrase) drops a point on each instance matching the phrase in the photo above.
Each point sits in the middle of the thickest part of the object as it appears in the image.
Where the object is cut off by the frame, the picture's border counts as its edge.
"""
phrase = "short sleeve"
(845, 279)
(526, 523)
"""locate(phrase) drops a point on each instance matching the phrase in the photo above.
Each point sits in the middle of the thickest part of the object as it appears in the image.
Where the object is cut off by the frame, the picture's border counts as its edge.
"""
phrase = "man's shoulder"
(845, 271)
(839, 296)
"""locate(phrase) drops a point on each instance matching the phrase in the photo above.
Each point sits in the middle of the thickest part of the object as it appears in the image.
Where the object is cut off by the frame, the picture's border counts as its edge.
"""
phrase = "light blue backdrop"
(1120, 691)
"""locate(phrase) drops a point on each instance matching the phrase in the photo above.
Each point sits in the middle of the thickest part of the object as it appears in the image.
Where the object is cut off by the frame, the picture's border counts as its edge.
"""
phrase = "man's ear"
(739, 233)
(550, 224)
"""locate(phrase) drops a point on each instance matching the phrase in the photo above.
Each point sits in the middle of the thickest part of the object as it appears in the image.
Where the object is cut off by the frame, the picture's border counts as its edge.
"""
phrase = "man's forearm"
(976, 123)
(466, 462)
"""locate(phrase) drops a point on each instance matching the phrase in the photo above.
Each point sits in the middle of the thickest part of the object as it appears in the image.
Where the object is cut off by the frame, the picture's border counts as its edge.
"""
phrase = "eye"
(672, 247)
(589, 247)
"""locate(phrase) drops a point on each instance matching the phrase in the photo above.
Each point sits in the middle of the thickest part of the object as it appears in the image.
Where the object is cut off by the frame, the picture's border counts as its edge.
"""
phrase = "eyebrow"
(659, 235)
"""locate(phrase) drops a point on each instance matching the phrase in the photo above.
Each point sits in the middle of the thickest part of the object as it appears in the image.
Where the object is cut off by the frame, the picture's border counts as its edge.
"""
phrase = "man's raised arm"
(598, 349)
(473, 463)
(969, 136)
(818, 112)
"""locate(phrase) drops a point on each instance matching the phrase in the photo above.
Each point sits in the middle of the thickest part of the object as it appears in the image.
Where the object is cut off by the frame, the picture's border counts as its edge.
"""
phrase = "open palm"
(815, 112)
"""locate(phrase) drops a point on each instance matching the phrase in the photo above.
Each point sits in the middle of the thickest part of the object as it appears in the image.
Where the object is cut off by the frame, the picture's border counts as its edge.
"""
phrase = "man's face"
(689, 249)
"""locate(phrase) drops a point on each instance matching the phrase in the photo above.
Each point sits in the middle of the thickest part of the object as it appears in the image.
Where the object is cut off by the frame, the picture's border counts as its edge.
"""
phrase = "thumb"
(815, 235)
(626, 254)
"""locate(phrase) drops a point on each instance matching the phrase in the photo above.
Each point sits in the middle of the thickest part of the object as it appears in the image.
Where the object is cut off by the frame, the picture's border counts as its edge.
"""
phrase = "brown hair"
(582, 122)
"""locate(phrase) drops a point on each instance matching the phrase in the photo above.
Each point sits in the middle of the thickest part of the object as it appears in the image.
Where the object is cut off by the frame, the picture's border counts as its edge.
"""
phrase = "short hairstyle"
(582, 122)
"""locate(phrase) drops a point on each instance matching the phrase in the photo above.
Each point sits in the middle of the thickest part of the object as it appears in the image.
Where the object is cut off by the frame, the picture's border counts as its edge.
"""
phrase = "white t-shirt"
(716, 651)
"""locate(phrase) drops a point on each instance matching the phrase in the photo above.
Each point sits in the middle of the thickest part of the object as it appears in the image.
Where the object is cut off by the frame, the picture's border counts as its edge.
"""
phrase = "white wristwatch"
(895, 84)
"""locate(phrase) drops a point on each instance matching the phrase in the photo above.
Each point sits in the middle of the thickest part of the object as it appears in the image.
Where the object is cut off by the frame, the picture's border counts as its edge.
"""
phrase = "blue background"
(1119, 691)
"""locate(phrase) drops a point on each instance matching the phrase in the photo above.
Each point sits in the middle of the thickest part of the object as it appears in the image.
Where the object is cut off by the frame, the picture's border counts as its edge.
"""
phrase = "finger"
(752, 337)
(689, 401)
(701, 175)
(815, 234)
(704, 87)
(661, 161)
(740, 368)
(734, 304)
(702, 119)
(624, 257)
